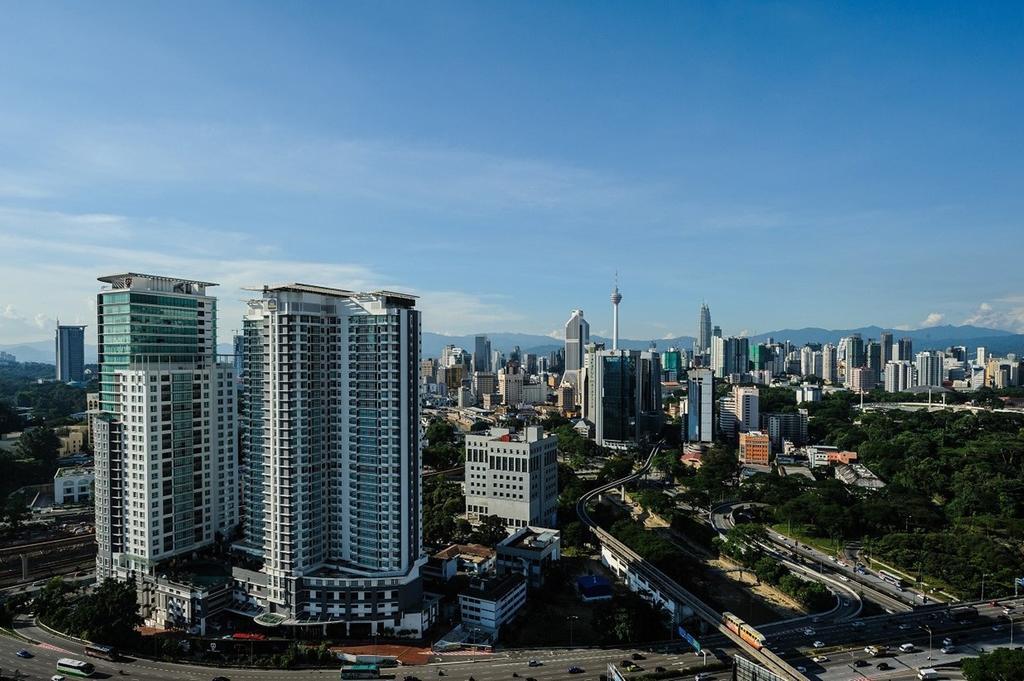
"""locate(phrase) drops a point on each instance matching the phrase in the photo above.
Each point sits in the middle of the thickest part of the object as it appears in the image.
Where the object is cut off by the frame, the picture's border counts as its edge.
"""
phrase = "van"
(907, 648)
(926, 674)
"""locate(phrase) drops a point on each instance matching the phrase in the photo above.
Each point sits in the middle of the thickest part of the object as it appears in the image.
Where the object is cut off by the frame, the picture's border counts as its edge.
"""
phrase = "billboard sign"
(689, 639)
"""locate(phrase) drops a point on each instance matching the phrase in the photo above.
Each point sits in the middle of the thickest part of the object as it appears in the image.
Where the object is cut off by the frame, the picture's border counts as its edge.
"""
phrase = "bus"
(70, 667)
(890, 578)
(360, 671)
(101, 651)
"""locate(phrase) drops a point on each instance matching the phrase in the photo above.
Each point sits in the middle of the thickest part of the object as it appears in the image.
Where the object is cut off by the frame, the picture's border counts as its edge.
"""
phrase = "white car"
(808, 632)
(819, 644)
(819, 658)
(57, 677)
(947, 641)
(907, 648)
(844, 578)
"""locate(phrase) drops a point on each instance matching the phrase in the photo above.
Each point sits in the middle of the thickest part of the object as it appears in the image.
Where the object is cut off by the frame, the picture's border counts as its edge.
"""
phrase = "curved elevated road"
(653, 575)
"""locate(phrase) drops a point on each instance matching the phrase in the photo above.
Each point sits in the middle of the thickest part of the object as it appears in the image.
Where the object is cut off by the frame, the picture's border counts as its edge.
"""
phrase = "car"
(22, 653)
(846, 602)
(947, 641)
(904, 626)
(702, 676)
(58, 677)
(818, 644)
(857, 625)
(638, 656)
(883, 666)
(808, 632)
(860, 663)
(1007, 610)
(819, 658)
(998, 627)
(534, 663)
(575, 670)
(993, 603)
(907, 648)
(802, 670)
(844, 578)
(948, 650)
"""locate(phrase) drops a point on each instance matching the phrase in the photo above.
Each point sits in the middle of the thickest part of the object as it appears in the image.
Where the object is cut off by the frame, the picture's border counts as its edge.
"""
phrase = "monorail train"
(749, 634)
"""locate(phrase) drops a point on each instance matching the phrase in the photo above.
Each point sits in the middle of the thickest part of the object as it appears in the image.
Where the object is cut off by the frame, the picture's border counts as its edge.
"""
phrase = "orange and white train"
(749, 634)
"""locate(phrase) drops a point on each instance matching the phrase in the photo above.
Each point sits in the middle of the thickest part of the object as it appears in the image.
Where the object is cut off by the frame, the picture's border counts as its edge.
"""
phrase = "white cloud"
(1007, 313)
(933, 319)
(52, 261)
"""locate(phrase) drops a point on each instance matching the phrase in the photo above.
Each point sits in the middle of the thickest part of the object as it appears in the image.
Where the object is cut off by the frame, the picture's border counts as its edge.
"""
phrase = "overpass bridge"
(639, 575)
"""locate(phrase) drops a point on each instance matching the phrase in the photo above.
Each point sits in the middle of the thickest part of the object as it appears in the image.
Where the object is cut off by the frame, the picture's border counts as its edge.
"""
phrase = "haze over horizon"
(793, 164)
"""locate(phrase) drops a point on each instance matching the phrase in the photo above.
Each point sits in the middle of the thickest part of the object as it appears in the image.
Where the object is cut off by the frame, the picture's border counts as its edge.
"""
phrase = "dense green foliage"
(50, 401)
(629, 617)
(444, 448)
(1001, 664)
(109, 614)
(739, 545)
(442, 502)
(953, 506)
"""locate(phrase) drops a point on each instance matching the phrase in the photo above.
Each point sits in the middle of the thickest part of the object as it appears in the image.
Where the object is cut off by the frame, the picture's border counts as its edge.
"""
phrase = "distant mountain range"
(934, 337)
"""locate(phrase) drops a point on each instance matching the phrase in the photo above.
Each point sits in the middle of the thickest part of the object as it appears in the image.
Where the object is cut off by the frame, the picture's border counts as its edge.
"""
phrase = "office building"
(70, 348)
(164, 437)
(672, 364)
(331, 445)
(860, 379)
(512, 475)
(900, 376)
(808, 393)
(930, 368)
(755, 448)
(873, 357)
(484, 383)
(490, 602)
(746, 408)
(981, 356)
(702, 343)
(904, 350)
(482, 354)
(887, 348)
(700, 395)
(627, 396)
(577, 335)
(785, 426)
(510, 385)
(729, 356)
(854, 355)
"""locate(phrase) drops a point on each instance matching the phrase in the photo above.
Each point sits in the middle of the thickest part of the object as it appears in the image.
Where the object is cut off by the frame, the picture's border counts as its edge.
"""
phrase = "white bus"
(890, 578)
(66, 665)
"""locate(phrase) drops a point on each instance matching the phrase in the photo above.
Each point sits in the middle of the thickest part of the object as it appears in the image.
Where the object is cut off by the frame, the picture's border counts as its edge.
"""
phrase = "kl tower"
(616, 299)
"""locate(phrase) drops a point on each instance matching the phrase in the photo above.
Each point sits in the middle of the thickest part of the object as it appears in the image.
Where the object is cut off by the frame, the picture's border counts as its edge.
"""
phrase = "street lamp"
(928, 628)
(1011, 630)
(571, 619)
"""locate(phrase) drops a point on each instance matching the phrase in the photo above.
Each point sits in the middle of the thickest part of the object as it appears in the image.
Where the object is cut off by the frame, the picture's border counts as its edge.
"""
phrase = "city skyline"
(782, 130)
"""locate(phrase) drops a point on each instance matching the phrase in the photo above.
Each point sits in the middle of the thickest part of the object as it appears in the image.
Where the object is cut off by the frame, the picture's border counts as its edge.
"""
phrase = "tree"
(490, 531)
(1001, 664)
(15, 511)
(39, 444)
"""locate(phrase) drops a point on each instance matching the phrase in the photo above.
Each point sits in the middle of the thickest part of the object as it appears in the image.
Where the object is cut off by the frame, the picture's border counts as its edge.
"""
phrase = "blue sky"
(793, 164)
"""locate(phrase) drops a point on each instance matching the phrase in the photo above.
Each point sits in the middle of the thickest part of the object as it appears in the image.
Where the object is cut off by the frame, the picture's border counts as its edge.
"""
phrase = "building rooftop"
(330, 291)
(474, 553)
(69, 471)
(115, 279)
(531, 538)
(493, 588)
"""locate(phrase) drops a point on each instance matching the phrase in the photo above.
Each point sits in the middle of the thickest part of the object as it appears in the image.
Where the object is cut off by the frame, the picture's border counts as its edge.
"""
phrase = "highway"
(654, 576)
(866, 586)
(500, 666)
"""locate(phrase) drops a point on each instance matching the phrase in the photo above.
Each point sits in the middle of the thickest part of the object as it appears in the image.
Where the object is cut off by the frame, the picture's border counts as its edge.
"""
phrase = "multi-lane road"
(47, 649)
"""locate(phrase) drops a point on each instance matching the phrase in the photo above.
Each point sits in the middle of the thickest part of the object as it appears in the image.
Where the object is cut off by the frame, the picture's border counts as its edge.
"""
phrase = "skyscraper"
(873, 359)
(700, 395)
(165, 435)
(577, 335)
(854, 354)
(930, 371)
(906, 349)
(70, 347)
(616, 299)
(482, 354)
(331, 446)
(702, 344)
(829, 371)
(887, 349)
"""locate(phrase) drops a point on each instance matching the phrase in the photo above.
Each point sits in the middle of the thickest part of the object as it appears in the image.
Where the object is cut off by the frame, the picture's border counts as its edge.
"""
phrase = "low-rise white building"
(489, 603)
(72, 485)
(512, 475)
